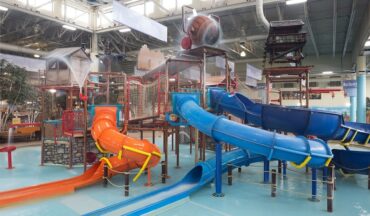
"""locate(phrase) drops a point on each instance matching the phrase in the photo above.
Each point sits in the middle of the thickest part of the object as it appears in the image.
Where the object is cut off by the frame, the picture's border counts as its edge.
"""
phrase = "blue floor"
(247, 194)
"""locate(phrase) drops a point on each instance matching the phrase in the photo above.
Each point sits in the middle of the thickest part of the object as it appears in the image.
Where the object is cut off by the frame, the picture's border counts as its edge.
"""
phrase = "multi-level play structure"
(181, 95)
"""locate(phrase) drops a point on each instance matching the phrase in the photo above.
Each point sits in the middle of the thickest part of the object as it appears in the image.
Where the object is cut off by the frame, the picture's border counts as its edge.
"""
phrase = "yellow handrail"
(352, 138)
(149, 155)
(328, 161)
(100, 148)
(367, 140)
(304, 163)
(345, 135)
(106, 161)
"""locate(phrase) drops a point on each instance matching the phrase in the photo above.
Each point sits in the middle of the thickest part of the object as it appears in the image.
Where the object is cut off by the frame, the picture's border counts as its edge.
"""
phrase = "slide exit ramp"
(202, 174)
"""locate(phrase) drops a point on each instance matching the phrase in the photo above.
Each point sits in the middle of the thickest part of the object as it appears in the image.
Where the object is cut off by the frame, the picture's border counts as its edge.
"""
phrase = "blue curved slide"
(300, 121)
(202, 174)
(312, 152)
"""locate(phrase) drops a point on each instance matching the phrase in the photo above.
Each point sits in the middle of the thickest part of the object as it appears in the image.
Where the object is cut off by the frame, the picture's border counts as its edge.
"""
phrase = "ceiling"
(239, 24)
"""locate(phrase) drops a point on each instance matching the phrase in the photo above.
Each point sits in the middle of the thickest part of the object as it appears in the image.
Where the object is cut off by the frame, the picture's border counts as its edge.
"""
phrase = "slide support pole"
(266, 170)
(324, 174)
(314, 185)
(284, 169)
(218, 174)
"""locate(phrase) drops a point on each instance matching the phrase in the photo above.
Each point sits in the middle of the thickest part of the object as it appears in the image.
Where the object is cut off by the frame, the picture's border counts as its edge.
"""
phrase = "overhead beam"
(334, 25)
(249, 60)
(349, 28)
(15, 48)
(38, 14)
(362, 33)
(223, 41)
(308, 24)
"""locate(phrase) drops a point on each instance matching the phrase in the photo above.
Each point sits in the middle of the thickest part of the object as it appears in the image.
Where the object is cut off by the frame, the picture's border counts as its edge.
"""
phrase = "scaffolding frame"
(289, 74)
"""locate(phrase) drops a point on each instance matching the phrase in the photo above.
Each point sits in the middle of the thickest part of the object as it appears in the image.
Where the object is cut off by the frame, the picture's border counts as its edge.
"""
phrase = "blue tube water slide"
(299, 121)
(202, 174)
(314, 153)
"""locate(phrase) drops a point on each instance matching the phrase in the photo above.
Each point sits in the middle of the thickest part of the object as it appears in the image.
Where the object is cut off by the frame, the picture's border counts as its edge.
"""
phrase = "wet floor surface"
(247, 195)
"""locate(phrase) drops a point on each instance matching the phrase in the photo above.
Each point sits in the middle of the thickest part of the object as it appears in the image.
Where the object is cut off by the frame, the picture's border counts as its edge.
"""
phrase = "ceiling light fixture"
(327, 72)
(124, 30)
(52, 91)
(70, 27)
(36, 55)
(367, 43)
(292, 2)
(2, 8)
(242, 46)
(242, 54)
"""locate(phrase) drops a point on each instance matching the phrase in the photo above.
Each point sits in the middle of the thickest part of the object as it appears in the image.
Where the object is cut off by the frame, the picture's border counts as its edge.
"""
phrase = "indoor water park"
(184, 107)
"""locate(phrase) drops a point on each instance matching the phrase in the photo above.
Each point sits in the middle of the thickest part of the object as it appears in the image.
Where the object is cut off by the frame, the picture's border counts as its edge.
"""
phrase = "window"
(149, 8)
(40, 5)
(335, 83)
(72, 12)
(171, 4)
(47, 7)
(83, 19)
(294, 95)
(288, 85)
(314, 84)
(105, 20)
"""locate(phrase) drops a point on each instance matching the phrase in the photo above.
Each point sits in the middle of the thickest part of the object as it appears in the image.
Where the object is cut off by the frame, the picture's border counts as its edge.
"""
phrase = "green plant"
(14, 90)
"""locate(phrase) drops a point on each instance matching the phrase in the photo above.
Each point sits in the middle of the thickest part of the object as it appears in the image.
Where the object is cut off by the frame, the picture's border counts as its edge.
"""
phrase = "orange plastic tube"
(133, 154)
(104, 131)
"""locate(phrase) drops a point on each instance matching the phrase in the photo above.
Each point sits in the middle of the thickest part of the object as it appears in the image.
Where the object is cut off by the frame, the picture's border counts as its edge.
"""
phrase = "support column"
(361, 89)
(58, 6)
(94, 41)
(196, 146)
(218, 174)
(266, 171)
(314, 186)
(352, 108)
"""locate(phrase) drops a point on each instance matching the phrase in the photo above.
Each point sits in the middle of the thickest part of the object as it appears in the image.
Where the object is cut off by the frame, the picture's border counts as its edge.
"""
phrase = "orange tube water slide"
(109, 139)
(129, 158)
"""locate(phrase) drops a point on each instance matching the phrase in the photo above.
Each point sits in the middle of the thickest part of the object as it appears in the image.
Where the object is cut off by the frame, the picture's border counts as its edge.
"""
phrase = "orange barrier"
(133, 154)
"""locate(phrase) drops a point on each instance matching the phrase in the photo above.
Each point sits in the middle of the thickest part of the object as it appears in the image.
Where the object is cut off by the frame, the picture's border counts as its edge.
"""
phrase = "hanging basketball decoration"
(200, 30)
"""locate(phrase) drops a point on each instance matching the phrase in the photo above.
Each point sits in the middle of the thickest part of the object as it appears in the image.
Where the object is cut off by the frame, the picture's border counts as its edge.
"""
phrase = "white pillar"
(94, 41)
(58, 6)
(361, 89)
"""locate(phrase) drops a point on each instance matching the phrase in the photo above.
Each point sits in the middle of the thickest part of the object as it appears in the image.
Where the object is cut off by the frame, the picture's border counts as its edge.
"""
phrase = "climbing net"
(146, 99)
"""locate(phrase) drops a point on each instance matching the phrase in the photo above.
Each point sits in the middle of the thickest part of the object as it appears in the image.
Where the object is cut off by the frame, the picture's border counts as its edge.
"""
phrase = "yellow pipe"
(328, 161)
(157, 154)
(304, 163)
(100, 148)
(353, 137)
(367, 140)
(136, 150)
(145, 163)
(106, 161)
(120, 154)
(142, 168)
(345, 135)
